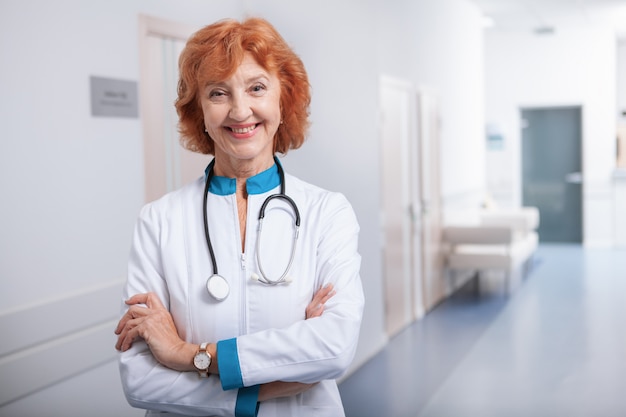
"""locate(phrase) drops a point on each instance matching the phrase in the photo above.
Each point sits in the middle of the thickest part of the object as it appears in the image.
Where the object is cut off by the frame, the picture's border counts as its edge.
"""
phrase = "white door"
(400, 204)
(430, 200)
(167, 165)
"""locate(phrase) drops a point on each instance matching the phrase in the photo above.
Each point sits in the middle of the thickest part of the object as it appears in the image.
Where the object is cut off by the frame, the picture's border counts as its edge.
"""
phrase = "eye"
(258, 89)
(217, 95)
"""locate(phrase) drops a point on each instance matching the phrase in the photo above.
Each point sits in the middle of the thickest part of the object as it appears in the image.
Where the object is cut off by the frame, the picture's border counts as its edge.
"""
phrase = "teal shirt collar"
(258, 184)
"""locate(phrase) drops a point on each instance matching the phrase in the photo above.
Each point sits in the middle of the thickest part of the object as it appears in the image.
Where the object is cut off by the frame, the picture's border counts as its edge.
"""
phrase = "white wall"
(438, 45)
(575, 66)
(72, 184)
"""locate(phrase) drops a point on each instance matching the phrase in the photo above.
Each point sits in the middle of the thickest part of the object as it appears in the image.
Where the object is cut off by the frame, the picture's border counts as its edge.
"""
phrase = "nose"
(240, 108)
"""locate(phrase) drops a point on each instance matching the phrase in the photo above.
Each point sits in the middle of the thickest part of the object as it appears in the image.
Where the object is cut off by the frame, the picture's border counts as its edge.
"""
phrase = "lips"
(243, 130)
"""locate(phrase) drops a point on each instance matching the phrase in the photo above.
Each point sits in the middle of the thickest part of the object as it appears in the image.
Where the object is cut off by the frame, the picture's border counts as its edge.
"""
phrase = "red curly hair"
(213, 54)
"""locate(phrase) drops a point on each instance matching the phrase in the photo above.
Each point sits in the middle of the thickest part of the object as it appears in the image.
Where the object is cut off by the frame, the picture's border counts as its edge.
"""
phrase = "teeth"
(244, 130)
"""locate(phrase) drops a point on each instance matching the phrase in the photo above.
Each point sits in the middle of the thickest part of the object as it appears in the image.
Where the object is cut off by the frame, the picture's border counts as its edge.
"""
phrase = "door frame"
(167, 165)
(431, 218)
(399, 180)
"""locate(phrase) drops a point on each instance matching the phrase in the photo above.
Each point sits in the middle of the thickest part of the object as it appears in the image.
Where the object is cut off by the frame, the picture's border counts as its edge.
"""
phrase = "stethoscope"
(216, 284)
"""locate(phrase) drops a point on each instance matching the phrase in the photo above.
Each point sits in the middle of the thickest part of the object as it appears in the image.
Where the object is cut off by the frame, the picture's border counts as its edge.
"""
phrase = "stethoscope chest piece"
(218, 287)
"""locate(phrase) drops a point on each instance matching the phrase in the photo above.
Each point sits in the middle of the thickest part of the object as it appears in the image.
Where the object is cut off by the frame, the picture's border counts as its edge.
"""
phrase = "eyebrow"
(249, 80)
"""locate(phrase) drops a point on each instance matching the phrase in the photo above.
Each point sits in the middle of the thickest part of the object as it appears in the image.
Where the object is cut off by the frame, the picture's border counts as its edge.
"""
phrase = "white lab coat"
(169, 256)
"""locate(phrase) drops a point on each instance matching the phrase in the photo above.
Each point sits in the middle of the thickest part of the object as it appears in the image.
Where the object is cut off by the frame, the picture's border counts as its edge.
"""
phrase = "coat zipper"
(243, 280)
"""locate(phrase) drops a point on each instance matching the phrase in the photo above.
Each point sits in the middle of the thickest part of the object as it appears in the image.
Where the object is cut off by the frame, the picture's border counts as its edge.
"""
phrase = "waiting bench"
(500, 240)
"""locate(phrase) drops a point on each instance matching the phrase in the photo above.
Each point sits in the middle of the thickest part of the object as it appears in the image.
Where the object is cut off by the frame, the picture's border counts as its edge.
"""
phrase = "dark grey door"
(551, 170)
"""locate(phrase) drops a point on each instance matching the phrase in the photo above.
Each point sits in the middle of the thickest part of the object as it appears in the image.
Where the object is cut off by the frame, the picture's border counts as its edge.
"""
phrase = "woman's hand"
(316, 306)
(154, 324)
(148, 319)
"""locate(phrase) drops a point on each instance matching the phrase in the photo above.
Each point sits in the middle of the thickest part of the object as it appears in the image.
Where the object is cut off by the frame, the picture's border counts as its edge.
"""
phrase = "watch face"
(202, 360)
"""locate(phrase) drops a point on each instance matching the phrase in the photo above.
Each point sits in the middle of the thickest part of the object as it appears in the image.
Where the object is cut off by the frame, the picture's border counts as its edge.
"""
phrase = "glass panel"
(551, 171)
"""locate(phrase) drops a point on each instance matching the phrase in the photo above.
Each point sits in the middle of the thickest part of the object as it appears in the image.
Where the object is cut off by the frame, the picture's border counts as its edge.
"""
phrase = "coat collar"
(258, 184)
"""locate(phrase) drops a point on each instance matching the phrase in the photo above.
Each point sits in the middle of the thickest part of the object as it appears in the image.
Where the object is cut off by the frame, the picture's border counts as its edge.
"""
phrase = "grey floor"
(554, 346)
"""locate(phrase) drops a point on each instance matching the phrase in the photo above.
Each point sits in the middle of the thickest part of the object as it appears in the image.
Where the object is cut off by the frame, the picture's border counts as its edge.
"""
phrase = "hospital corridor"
(553, 348)
(443, 186)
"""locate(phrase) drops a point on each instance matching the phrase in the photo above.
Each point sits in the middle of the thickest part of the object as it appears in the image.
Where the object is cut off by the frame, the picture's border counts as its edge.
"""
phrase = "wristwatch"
(202, 361)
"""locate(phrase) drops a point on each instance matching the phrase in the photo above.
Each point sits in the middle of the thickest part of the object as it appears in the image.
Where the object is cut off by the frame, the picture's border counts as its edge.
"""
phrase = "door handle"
(574, 178)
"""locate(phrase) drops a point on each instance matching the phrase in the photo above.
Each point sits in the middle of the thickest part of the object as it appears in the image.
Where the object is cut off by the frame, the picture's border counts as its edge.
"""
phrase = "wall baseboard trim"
(34, 324)
(49, 342)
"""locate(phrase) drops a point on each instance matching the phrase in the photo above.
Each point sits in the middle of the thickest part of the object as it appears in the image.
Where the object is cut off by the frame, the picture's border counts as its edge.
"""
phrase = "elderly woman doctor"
(222, 316)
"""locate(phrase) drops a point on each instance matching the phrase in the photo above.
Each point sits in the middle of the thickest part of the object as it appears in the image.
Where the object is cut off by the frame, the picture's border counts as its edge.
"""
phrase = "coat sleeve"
(311, 350)
(146, 383)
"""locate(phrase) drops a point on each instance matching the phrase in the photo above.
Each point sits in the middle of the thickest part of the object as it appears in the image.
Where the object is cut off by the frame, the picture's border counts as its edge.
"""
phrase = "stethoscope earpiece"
(255, 277)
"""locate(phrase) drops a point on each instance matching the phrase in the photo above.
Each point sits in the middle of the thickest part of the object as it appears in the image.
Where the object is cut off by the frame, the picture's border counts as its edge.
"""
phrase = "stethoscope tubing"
(283, 278)
(206, 219)
(282, 196)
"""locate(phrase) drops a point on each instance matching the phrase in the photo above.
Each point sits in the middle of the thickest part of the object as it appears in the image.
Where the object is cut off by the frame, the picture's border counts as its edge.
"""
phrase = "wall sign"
(495, 138)
(113, 98)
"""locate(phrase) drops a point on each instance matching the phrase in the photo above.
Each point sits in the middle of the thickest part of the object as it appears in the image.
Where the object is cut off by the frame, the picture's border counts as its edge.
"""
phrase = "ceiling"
(544, 16)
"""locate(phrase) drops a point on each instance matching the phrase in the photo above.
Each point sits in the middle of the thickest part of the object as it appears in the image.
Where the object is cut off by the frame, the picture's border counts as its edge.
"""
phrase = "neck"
(239, 169)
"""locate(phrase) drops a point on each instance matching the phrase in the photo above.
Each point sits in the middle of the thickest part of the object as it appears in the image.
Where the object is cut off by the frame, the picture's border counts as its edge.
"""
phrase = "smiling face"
(242, 115)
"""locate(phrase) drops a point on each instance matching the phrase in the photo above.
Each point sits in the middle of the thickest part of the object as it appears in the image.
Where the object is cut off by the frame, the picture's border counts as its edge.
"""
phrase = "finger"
(127, 342)
(132, 301)
(328, 296)
(314, 311)
(122, 323)
(325, 295)
(120, 339)
(131, 313)
(121, 336)
(133, 318)
(153, 301)
(323, 292)
(311, 308)
(137, 299)
(326, 288)
(130, 333)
